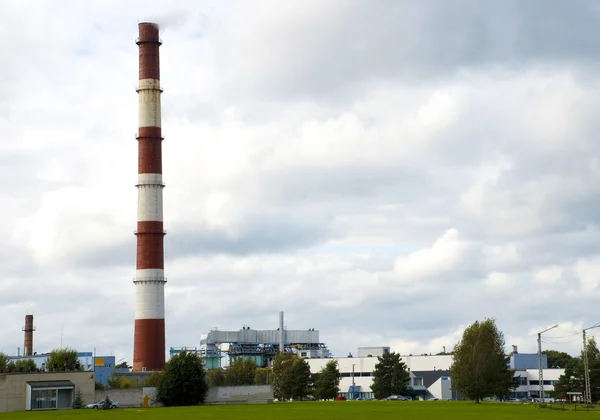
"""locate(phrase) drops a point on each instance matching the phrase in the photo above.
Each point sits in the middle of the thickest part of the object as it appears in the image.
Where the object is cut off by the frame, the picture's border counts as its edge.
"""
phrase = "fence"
(144, 397)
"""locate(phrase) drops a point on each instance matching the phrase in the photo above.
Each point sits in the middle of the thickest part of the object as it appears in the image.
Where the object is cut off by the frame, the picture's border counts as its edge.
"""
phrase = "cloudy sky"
(386, 172)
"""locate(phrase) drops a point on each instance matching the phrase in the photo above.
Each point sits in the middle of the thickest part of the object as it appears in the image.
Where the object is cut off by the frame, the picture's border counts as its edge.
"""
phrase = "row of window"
(419, 381)
(356, 374)
(524, 381)
(415, 381)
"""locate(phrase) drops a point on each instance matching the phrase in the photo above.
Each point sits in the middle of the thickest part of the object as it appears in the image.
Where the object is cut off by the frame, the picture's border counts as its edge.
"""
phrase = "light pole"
(541, 371)
(353, 393)
(587, 395)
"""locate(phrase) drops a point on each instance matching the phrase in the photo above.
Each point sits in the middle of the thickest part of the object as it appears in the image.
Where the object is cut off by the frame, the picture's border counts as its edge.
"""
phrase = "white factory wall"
(367, 364)
(427, 363)
(440, 389)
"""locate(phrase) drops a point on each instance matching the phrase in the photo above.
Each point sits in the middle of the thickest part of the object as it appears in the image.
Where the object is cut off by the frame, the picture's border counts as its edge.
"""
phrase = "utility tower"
(587, 395)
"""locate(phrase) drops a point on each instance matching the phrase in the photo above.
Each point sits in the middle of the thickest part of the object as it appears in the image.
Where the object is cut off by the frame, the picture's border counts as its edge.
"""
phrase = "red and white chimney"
(149, 336)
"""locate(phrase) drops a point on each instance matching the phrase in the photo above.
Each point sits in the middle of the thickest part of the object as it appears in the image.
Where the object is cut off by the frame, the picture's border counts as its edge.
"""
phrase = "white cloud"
(587, 271)
(499, 281)
(446, 254)
(548, 275)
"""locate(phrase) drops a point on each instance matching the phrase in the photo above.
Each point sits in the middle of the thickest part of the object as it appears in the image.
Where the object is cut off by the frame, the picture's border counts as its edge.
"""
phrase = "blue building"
(102, 366)
(521, 361)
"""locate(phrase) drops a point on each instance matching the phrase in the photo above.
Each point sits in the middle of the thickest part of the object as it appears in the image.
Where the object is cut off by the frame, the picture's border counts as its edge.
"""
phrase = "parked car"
(397, 398)
(100, 405)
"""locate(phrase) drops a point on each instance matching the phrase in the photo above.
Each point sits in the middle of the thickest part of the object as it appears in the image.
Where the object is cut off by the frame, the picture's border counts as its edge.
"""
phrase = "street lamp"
(353, 392)
(541, 371)
(587, 395)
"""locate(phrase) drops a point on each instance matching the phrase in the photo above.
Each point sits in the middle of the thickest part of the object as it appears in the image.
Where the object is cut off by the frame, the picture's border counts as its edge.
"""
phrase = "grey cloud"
(119, 254)
(388, 41)
(266, 232)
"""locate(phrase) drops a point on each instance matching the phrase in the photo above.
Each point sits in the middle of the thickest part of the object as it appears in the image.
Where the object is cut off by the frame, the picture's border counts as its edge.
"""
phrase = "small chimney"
(515, 349)
(28, 341)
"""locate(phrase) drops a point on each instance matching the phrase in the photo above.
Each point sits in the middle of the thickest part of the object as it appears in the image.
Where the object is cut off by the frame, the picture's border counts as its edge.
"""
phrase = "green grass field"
(338, 410)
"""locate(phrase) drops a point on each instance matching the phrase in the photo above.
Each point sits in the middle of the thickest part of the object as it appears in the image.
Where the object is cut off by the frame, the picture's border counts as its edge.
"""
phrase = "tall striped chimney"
(149, 337)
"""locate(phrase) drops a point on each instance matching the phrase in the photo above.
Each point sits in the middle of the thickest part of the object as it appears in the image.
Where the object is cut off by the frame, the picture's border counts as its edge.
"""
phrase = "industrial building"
(258, 345)
(430, 375)
(102, 366)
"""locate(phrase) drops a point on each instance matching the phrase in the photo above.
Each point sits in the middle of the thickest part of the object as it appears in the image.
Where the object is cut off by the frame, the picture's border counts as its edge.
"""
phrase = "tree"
(3, 362)
(480, 366)
(78, 401)
(557, 359)
(122, 365)
(21, 366)
(390, 376)
(122, 382)
(63, 360)
(151, 381)
(240, 372)
(573, 379)
(215, 377)
(183, 381)
(291, 377)
(326, 383)
(263, 375)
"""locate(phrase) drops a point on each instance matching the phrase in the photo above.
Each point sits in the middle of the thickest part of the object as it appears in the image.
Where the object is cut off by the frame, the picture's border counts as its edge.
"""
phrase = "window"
(536, 382)
(43, 399)
(521, 380)
(417, 381)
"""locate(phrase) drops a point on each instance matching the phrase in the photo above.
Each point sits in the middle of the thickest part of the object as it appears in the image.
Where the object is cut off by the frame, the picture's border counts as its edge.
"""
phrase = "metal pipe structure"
(281, 333)
(149, 336)
(541, 370)
(28, 340)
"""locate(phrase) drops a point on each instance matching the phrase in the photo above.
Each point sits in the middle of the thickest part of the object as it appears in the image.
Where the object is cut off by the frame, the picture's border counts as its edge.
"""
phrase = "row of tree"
(59, 360)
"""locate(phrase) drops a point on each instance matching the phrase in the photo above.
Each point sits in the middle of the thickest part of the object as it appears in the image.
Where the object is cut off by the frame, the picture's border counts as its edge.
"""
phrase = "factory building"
(102, 366)
(430, 375)
(259, 345)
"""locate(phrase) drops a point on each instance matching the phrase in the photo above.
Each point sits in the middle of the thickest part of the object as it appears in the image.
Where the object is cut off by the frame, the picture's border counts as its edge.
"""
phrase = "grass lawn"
(334, 410)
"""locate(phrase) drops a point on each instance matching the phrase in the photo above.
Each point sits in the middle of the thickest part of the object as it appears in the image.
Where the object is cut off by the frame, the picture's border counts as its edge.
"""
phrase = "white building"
(429, 375)
(529, 382)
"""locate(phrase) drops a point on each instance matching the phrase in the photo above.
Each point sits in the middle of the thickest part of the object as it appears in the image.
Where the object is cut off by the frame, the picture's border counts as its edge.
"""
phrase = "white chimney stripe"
(150, 203)
(150, 300)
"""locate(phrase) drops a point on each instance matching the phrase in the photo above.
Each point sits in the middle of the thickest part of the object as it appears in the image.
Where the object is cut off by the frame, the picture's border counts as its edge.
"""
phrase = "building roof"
(51, 384)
